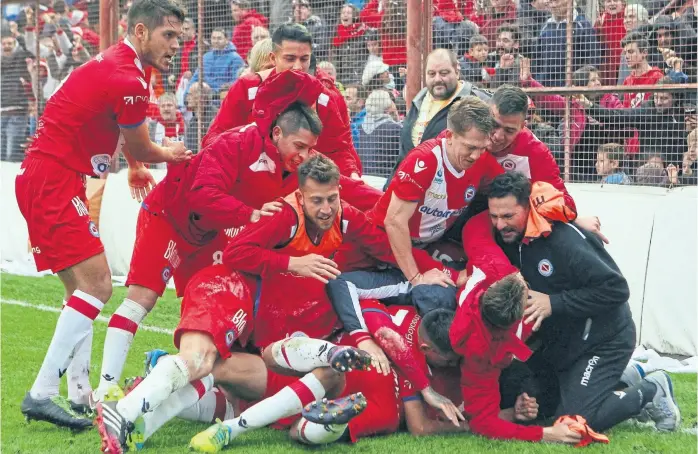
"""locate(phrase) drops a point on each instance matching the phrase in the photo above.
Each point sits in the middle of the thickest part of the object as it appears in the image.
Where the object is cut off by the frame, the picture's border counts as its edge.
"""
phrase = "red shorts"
(218, 303)
(52, 200)
(160, 253)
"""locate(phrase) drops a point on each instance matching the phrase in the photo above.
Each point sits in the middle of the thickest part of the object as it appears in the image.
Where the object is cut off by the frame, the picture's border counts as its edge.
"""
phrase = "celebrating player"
(231, 183)
(100, 108)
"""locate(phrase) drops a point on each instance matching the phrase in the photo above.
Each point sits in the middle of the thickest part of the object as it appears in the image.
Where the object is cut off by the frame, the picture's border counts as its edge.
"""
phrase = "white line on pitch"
(101, 318)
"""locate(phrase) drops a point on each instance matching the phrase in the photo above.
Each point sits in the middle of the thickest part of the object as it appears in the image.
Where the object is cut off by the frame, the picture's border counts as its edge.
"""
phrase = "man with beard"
(506, 59)
(427, 116)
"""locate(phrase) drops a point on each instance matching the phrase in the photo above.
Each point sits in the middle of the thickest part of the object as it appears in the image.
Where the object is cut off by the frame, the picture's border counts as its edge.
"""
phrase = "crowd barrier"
(653, 234)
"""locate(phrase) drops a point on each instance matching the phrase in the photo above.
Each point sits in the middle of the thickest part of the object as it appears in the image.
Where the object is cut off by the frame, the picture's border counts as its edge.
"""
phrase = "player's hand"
(524, 69)
(434, 277)
(315, 266)
(525, 408)
(355, 176)
(537, 309)
(444, 404)
(268, 209)
(378, 359)
(592, 224)
(187, 75)
(561, 433)
(462, 278)
(176, 151)
(140, 181)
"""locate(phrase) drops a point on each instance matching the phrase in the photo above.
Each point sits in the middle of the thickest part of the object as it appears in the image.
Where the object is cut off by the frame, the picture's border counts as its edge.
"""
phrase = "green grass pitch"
(26, 333)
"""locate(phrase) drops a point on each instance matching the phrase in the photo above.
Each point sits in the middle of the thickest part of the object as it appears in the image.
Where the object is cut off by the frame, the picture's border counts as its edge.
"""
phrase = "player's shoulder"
(426, 154)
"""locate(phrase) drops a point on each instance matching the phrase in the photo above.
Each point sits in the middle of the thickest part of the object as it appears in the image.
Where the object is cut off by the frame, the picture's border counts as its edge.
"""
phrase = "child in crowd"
(473, 67)
(609, 159)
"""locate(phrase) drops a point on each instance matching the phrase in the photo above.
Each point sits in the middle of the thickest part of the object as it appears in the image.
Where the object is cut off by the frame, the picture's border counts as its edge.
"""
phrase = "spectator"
(185, 63)
(377, 76)
(373, 46)
(379, 135)
(303, 15)
(507, 59)
(450, 30)
(426, 118)
(348, 45)
(245, 19)
(501, 11)
(78, 56)
(609, 160)
(549, 60)
(259, 33)
(635, 46)
(355, 97)
(168, 122)
(259, 58)
(635, 20)
(473, 67)
(610, 28)
(223, 92)
(653, 173)
(532, 16)
(221, 63)
(281, 12)
(206, 113)
(14, 98)
(689, 170)
(389, 17)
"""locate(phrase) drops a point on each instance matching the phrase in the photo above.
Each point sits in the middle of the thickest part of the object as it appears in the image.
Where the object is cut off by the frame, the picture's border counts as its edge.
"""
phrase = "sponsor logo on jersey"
(470, 193)
(263, 164)
(436, 195)
(93, 229)
(437, 213)
(435, 229)
(100, 164)
(404, 176)
(130, 100)
(508, 164)
(419, 166)
(439, 178)
(545, 268)
(587, 372)
(166, 274)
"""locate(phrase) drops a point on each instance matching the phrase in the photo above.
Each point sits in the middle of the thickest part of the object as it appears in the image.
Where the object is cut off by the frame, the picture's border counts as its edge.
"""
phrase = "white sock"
(287, 402)
(168, 376)
(178, 401)
(79, 387)
(122, 327)
(213, 405)
(74, 323)
(301, 354)
(312, 433)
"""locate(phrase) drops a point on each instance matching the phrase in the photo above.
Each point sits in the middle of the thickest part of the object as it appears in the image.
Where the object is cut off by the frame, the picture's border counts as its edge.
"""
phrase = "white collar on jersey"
(137, 61)
(447, 162)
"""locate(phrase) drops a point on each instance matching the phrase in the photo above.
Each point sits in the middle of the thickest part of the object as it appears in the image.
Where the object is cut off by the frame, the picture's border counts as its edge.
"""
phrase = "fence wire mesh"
(581, 81)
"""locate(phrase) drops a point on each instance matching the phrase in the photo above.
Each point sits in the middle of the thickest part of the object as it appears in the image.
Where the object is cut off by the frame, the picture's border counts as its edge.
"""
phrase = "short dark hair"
(6, 33)
(638, 38)
(437, 324)
(243, 4)
(361, 91)
(318, 168)
(510, 100)
(219, 30)
(613, 151)
(470, 112)
(298, 116)
(580, 78)
(510, 183)
(478, 40)
(502, 305)
(291, 32)
(60, 6)
(512, 28)
(152, 13)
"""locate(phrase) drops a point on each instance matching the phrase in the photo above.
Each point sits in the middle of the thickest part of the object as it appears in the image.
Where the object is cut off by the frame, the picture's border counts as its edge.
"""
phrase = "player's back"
(81, 121)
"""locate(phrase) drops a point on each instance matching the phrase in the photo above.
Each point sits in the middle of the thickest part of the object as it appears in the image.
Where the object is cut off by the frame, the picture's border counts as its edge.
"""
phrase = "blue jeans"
(13, 133)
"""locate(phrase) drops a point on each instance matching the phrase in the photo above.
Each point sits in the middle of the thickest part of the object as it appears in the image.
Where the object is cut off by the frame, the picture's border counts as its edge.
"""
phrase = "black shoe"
(113, 428)
(335, 411)
(55, 410)
(83, 410)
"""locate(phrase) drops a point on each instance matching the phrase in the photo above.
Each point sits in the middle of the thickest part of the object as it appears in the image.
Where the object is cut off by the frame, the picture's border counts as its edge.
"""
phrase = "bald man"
(427, 116)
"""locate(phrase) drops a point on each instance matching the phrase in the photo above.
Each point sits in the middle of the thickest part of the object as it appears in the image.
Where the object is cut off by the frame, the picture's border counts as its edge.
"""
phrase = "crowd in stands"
(624, 138)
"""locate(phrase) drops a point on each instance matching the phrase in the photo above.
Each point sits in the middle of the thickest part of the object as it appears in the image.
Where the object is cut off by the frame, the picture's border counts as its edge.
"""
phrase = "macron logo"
(263, 164)
(419, 166)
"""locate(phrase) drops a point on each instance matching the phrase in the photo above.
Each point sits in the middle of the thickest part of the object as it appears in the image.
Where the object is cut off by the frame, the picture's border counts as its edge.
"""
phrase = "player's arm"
(482, 250)
(234, 112)
(396, 222)
(419, 423)
(336, 143)
(144, 150)
(544, 168)
(140, 180)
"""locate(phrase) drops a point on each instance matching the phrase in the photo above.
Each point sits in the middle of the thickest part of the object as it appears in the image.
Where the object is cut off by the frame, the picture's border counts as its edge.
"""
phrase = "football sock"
(183, 398)
(79, 387)
(74, 324)
(302, 354)
(287, 402)
(122, 327)
(213, 405)
(312, 433)
(168, 376)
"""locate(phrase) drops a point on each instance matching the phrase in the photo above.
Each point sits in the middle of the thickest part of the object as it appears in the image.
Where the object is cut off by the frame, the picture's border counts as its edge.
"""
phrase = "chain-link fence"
(613, 96)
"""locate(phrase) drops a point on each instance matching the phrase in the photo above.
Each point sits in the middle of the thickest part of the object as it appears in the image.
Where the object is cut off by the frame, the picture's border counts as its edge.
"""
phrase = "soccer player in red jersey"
(231, 183)
(98, 110)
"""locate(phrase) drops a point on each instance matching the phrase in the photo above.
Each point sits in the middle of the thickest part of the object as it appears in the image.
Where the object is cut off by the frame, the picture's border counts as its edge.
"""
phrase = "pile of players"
(311, 300)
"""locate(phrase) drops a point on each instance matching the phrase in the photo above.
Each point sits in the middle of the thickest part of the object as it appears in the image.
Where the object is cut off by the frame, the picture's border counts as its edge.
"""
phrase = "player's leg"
(155, 256)
(304, 354)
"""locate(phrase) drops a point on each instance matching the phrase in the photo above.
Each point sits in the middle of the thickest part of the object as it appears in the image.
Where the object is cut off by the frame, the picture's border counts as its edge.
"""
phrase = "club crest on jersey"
(100, 164)
(508, 164)
(545, 268)
(470, 193)
(166, 274)
(93, 229)
(229, 337)
(419, 166)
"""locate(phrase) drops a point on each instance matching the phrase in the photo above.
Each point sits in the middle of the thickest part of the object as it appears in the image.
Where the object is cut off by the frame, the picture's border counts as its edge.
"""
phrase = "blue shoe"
(151, 359)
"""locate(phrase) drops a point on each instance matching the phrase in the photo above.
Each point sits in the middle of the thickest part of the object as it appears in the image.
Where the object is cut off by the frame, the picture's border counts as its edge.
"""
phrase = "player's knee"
(143, 296)
(331, 380)
(199, 353)
(101, 286)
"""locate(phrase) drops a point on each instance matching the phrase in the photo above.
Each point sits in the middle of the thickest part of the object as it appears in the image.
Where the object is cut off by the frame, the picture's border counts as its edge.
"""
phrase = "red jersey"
(80, 127)
(651, 77)
(335, 140)
(533, 158)
(427, 177)
(222, 185)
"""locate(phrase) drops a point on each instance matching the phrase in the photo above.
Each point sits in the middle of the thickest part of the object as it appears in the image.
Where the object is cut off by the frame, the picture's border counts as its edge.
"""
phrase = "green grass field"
(27, 331)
